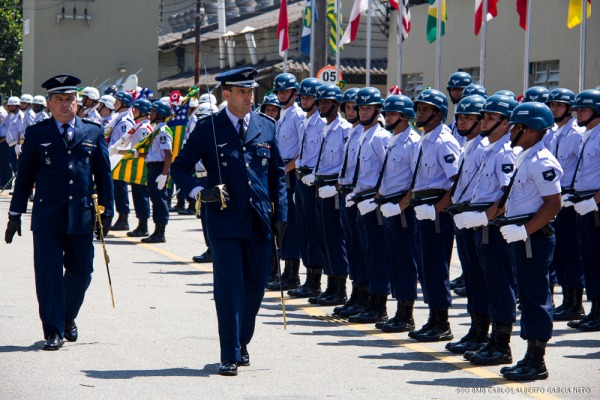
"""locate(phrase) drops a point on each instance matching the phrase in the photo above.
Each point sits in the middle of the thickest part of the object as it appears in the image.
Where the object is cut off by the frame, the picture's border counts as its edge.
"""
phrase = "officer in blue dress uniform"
(534, 199)
(243, 214)
(64, 157)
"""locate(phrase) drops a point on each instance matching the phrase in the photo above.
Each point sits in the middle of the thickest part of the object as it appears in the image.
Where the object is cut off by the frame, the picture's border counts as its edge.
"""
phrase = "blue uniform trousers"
(335, 244)
(373, 243)
(535, 300)
(60, 295)
(141, 200)
(290, 249)
(159, 198)
(402, 251)
(589, 234)
(122, 196)
(204, 183)
(6, 170)
(496, 279)
(357, 263)
(241, 270)
(477, 301)
(435, 250)
(310, 234)
(12, 159)
(568, 260)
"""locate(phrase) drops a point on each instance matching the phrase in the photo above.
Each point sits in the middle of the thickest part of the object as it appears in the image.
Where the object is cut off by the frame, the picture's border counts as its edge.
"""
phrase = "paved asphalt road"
(160, 342)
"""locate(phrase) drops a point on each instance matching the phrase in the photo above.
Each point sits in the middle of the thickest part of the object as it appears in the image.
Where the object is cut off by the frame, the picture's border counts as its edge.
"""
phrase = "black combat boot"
(457, 282)
(350, 302)
(141, 230)
(593, 325)
(440, 330)
(360, 304)
(499, 351)
(312, 286)
(532, 367)
(475, 338)
(424, 328)
(566, 303)
(586, 319)
(573, 309)
(329, 290)
(289, 277)
(403, 321)
(339, 296)
(376, 310)
(158, 236)
(121, 224)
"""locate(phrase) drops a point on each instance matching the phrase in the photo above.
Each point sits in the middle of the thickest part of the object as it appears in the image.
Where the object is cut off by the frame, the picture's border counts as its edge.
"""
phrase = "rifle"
(576, 197)
(390, 198)
(364, 195)
(465, 206)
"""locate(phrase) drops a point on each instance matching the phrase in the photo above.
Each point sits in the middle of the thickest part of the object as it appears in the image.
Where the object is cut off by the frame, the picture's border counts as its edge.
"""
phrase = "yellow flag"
(575, 11)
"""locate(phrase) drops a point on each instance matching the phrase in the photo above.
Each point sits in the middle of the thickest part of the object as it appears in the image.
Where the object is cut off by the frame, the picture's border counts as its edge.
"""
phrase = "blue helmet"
(500, 104)
(473, 89)
(270, 99)
(470, 105)
(143, 105)
(126, 98)
(533, 115)
(285, 81)
(399, 103)
(349, 96)
(459, 80)
(588, 99)
(507, 93)
(561, 95)
(536, 93)
(329, 91)
(309, 86)
(162, 109)
(368, 96)
(435, 98)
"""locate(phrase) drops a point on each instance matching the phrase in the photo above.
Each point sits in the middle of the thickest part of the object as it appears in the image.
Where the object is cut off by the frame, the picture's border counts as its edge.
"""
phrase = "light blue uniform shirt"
(350, 155)
(42, 115)
(162, 141)
(332, 156)
(5, 124)
(288, 133)
(588, 173)
(439, 161)
(28, 120)
(312, 136)
(373, 143)
(564, 143)
(124, 122)
(14, 128)
(495, 172)
(459, 139)
(398, 169)
(473, 154)
(70, 129)
(538, 174)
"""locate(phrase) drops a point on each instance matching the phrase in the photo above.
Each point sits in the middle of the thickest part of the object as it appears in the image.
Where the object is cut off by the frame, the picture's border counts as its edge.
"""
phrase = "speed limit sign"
(329, 74)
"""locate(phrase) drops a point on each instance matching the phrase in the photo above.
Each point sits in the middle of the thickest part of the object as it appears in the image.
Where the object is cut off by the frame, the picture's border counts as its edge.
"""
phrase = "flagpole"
(368, 61)
(582, 46)
(438, 34)
(527, 38)
(483, 43)
(311, 62)
(337, 37)
(400, 42)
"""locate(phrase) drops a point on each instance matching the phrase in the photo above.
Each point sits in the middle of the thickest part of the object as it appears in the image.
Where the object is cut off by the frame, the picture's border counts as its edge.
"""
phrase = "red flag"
(492, 11)
(522, 11)
(352, 30)
(405, 16)
(394, 4)
(282, 29)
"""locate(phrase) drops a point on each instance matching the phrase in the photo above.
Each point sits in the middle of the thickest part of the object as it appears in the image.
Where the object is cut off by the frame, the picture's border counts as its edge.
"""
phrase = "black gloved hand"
(106, 222)
(279, 230)
(13, 226)
(213, 195)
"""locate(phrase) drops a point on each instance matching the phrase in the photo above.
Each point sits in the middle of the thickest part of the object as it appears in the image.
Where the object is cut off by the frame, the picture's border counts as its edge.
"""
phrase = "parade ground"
(161, 341)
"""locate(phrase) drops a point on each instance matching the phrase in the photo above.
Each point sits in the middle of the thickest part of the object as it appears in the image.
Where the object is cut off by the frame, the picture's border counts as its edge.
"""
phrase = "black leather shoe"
(176, 209)
(245, 357)
(71, 331)
(186, 211)
(461, 291)
(203, 258)
(138, 233)
(54, 342)
(228, 368)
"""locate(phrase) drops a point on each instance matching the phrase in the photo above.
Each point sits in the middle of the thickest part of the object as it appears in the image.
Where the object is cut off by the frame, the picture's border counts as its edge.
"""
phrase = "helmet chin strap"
(308, 109)
(590, 119)
(393, 126)
(488, 132)
(467, 132)
(287, 101)
(515, 143)
(353, 120)
(562, 117)
(427, 121)
(328, 113)
(370, 120)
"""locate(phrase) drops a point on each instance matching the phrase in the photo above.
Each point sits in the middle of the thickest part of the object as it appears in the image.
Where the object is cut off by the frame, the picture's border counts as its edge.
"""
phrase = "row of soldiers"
(517, 186)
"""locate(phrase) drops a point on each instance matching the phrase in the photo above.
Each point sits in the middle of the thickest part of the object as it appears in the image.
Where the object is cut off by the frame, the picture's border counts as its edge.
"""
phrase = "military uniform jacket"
(252, 171)
(64, 177)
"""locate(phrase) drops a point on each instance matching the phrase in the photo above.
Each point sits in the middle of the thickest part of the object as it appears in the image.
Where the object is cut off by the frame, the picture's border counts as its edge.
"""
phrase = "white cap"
(13, 101)
(208, 98)
(40, 100)
(108, 101)
(165, 99)
(193, 103)
(91, 92)
(26, 98)
(206, 109)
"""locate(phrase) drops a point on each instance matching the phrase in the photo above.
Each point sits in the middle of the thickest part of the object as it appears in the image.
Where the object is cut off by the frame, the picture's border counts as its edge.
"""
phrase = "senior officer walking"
(64, 157)
(239, 149)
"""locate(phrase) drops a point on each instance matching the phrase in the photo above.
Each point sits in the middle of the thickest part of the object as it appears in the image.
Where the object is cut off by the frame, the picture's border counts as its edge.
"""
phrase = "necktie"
(65, 133)
(241, 130)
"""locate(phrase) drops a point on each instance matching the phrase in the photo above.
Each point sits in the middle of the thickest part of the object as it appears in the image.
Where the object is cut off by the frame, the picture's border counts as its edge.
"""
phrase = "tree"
(11, 45)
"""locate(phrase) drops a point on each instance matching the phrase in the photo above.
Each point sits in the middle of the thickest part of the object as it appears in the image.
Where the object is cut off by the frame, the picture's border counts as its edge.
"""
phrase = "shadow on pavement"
(209, 369)
(37, 346)
(461, 382)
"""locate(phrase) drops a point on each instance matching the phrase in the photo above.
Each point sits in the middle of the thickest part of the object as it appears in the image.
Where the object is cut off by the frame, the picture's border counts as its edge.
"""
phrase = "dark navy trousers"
(141, 200)
(290, 248)
(477, 299)
(310, 234)
(122, 196)
(335, 244)
(402, 251)
(375, 249)
(357, 262)
(568, 258)
(6, 170)
(159, 198)
(589, 234)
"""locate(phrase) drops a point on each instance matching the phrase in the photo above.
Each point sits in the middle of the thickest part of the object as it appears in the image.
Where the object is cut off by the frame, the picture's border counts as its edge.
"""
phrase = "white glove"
(366, 206)
(566, 202)
(349, 201)
(309, 179)
(18, 148)
(161, 181)
(327, 191)
(473, 219)
(135, 153)
(112, 150)
(389, 210)
(458, 221)
(586, 206)
(425, 211)
(513, 233)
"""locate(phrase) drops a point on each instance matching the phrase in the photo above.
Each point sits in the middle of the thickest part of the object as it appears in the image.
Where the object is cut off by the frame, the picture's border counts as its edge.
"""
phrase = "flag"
(575, 11)
(394, 4)
(359, 7)
(405, 20)
(522, 11)
(492, 11)
(282, 29)
(133, 169)
(177, 123)
(332, 13)
(432, 19)
(307, 28)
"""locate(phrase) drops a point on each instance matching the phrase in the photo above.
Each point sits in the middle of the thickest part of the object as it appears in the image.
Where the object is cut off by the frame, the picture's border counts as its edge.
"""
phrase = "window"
(475, 73)
(545, 73)
(412, 84)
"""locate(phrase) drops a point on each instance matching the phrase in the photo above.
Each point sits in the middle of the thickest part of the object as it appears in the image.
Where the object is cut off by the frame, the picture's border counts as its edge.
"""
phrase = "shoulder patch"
(449, 158)
(549, 175)
(508, 168)
(163, 139)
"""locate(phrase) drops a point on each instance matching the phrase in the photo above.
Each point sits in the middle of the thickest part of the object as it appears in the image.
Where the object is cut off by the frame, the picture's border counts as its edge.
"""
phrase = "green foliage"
(11, 44)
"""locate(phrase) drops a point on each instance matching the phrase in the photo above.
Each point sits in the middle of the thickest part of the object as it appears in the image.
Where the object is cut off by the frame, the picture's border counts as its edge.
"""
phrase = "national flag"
(177, 123)
(492, 11)
(332, 17)
(307, 28)
(359, 7)
(406, 24)
(282, 29)
(432, 14)
(522, 11)
(575, 11)
(133, 169)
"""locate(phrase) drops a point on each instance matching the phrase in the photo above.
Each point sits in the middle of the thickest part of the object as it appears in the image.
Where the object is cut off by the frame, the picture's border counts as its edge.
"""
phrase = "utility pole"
(321, 36)
(197, 45)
